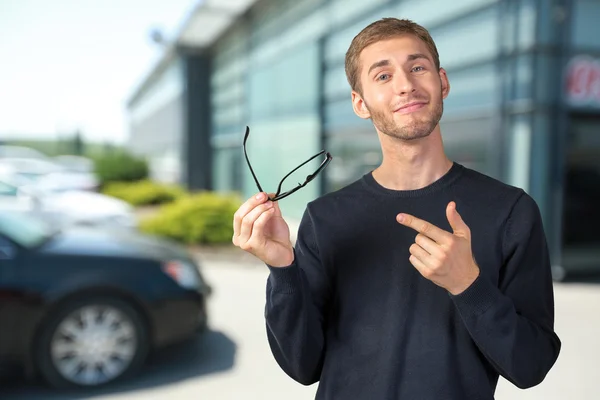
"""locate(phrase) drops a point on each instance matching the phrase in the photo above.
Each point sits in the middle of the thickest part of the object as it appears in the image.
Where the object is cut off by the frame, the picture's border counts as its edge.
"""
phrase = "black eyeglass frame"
(278, 195)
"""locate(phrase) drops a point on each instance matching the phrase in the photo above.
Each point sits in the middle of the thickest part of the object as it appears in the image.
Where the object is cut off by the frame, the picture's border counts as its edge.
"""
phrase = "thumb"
(456, 222)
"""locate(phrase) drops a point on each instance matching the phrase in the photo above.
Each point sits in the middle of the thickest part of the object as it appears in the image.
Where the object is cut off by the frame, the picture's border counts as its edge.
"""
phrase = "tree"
(78, 144)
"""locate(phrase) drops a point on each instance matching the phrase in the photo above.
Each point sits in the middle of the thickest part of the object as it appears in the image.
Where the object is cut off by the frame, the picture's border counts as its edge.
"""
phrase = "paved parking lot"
(233, 360)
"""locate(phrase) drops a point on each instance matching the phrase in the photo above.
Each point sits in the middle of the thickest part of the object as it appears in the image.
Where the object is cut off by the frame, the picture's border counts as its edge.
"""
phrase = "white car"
(66, 180)
(11, 151)
(72, 207)
(49, 175)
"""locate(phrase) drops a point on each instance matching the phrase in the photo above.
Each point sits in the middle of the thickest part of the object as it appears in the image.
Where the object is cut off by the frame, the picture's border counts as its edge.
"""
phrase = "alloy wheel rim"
(93, 345)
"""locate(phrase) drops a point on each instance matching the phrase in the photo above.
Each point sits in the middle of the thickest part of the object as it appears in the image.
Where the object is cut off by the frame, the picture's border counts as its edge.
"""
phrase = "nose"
(403, 83)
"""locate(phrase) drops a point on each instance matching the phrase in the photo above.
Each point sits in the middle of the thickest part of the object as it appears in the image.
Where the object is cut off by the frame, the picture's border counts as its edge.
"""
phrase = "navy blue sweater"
(353, 314)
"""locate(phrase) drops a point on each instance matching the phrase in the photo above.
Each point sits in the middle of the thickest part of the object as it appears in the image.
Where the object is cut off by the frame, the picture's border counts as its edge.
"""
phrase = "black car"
(84, 307)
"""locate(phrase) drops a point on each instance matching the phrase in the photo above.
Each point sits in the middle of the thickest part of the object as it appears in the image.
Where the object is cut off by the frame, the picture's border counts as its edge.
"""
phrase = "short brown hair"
(383, 29)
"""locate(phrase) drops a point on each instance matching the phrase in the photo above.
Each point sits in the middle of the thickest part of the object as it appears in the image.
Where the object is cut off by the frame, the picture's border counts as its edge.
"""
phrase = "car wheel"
(92, 342)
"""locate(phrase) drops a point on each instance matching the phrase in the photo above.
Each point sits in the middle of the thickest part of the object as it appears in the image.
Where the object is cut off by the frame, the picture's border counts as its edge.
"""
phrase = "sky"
(69, 65)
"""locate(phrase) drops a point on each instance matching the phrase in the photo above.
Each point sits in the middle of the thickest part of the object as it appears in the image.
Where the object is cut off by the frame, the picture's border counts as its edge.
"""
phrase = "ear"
(359, 106)
(445, 83)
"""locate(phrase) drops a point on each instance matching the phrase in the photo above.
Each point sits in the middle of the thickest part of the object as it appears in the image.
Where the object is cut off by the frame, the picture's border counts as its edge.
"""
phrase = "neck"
(413, 164)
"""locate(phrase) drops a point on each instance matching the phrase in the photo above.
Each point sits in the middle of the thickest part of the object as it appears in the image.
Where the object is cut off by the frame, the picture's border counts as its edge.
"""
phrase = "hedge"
(200, 218)
(143, 192)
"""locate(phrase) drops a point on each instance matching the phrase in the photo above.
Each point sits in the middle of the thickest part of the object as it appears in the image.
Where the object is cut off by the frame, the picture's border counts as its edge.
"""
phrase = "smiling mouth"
(409, 108)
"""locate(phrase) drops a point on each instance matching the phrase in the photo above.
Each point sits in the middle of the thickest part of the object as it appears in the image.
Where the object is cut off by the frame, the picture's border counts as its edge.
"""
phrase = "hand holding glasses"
(278, 195)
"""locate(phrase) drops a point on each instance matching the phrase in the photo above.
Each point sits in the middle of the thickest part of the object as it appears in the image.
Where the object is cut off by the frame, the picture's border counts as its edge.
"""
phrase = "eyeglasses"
(278, 194)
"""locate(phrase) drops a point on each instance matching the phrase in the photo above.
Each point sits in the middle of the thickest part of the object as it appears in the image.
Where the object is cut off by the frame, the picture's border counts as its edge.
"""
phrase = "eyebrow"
(382, 63)
(385, 63)
(417, 56)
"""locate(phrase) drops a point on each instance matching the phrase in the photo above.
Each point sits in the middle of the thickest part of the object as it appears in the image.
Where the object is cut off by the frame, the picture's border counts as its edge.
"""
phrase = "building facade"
(524, 105)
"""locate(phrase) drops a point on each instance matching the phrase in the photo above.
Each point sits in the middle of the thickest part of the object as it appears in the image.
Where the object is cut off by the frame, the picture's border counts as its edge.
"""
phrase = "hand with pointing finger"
(444, 258)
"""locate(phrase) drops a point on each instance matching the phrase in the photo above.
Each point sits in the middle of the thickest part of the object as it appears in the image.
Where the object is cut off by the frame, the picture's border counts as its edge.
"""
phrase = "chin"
(409, 133)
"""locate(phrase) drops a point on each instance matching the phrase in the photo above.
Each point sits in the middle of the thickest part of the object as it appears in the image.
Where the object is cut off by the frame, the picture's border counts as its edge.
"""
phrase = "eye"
(383, 77)
(418, 69)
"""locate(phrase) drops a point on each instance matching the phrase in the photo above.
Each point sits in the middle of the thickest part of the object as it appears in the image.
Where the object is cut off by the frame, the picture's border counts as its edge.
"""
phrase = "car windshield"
(25, 230)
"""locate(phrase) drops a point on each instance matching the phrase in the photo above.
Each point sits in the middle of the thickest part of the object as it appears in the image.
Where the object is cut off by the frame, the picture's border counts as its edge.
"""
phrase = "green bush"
(143, 192)
(120, 166)
(201, 218)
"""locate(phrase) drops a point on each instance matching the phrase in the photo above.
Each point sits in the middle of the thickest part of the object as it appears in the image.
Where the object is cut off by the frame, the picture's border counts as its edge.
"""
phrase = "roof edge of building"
(189, 24)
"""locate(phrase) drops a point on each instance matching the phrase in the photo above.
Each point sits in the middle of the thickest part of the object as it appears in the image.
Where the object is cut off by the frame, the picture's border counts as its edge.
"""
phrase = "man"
(421, 280)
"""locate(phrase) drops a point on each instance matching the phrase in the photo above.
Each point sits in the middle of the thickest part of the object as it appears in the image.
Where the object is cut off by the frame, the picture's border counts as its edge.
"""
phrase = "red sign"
(583, 82)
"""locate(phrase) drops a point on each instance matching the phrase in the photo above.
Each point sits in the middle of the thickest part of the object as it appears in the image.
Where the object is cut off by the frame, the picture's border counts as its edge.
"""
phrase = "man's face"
(403, 91)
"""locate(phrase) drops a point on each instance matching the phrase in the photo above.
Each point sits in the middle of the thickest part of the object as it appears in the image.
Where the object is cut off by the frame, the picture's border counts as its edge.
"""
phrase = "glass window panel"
(337, 44)
(336, 84)
(480, 31)
(287, 86)
(229, 115)
(342, 11)
(546, 72)
(264, 53)
(309, 28)
(473, 87)
(541, 153)
(235, 68)
(524, 77)
(297, 81)
(261, 92)
(518, 22)
(421, 10)
(226, 95)
(508, 25)
(518, 78)
(165, 164)
(159, 130)
(339, 113)
(586, 30)
(168, 86)
(232, 44)
(283, 14)
(468, 142)
(353, 154)
(527, 24)
(227, 170)
(519, 154)
(484, 24)
(476, 101)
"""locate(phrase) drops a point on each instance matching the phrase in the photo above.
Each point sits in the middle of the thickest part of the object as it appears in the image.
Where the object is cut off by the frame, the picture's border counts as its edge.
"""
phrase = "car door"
(10, 298)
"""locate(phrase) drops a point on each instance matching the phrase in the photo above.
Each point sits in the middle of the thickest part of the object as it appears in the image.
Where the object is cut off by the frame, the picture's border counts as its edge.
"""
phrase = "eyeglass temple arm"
(308, 178)
(248, 161)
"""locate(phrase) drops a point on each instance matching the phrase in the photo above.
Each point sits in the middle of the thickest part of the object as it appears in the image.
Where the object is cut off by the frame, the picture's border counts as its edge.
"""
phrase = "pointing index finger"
(423, 227)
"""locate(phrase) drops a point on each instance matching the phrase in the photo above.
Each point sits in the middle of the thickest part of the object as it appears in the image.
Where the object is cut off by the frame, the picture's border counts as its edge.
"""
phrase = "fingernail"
(269, 203)
(400, 218)
(259, 196)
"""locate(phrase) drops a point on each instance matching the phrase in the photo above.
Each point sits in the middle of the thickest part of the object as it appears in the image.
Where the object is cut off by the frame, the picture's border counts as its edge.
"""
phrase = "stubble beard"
(416, 129)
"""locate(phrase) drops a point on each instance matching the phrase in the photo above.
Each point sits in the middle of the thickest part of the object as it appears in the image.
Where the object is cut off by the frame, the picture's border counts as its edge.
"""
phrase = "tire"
(111, 345)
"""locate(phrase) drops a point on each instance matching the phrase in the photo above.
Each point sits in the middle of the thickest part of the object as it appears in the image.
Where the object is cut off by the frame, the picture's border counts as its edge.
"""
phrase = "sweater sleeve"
(296, 297)
(513, 324)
